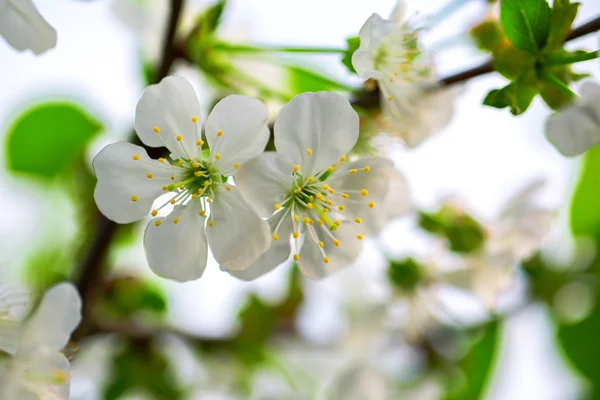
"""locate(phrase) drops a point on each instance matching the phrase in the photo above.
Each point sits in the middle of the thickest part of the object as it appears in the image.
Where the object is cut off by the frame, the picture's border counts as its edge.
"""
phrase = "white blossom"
(308, 189)
(576, 128)
(413, 108)
(39, 370)
(359, 382)
(129, 181)
(14, 304)
(24, 28)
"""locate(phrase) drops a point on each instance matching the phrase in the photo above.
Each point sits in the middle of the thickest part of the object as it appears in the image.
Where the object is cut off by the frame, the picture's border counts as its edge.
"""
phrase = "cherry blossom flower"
(309, 190)
(39, 370)
(24, 28)
(129, 181)
(14, 305)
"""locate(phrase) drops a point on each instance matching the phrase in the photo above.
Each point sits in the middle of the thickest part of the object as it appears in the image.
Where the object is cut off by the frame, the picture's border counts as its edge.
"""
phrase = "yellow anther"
(321, 222)
(149, 175)
(321, 244)
(396, 73)
(157, 223)
(198, 173)
(296, 257)
(367, 169)
(202, 213)
(134, 198)
(353, 171)
(326, 260)
(136, 157)
(326, 186)
(179, 138)
(176, 220)
(209, 201)
(206, 183)
(211, 223)
(337, 222)
(326, 210)
(310, 221)
(295, 235)
(336, 242)
(371, 204)
(364, 192)
(194, 119)
(277, 206)
(236, 165)
(173, 201)
(180, 163)
(359, 236)
(173, 177)
(330, 202)
(299, 190)
(199, 142)
(331, 191)
(194, 196)
(296, 168)
(341, 208)
(343, 158)
(195, 165)
(218, 156)
(358, 220)
(306, 220)
(330, 169)
(61, 376)
(391, 98)
(345, 195)
(275, 236)
(310, 205)
(311, 198)
(154, 213)
(311, 179)
(309, 151)
(162, 160)
(156, 129)
(228, 188)
(165, 187)
(296, 218)
(220, 133)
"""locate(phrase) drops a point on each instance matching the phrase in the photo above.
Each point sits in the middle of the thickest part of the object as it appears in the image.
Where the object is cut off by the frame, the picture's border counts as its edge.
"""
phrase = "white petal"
(374, 31)
(265, 181)
(171, 106)
(376, 182)
(590, 94)
(242, 122)
(397, 202)
(363, 62)
(24, 28)
(179, 250)
(574, 130)
(14, 305)
(359, 383)
(275, 255)
(120, 177)
(311, 261)
(398, 12)
(55, 319)
(238, 235)
(323, 124)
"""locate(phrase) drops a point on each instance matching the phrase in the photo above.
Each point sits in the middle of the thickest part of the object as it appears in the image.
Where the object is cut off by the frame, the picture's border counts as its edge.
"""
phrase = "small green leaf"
(405, 274)
(304, 80)
(585, 213)
(517, 95)
(210, 19)
(463, 233)
(563, 15)
(128, 296)
(353, 45)
(526, 23)
(47, 138)
(554, 97)
(511, 62)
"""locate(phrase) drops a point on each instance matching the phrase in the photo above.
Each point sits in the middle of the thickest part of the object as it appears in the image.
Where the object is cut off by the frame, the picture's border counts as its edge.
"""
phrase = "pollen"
(202, 213)
(309, 151)
(277, 206)
(341, 208)
(275, 236)
(295, 234)
(176, 220)
(367, 169)
(179, 138)
(326, 260)
(211, 223)
(343, 158)
(371, 204)
(199, 142)
(353, 171)
(364, 192)
(296, 168)
(236, 165)
(321, 244)
(173, 201)
(359, 236)
(134, 198)
(336, 242)
(162, 160)
(220, 133)
(156, 129)
(228, 188)
(345, 195)
(296, 257)
(136, 157)
(157, 223)
(195, 165)
(154, 213)
(165, 187)
(218, 156)
(358, 220)
(149, 175)
(194, 119)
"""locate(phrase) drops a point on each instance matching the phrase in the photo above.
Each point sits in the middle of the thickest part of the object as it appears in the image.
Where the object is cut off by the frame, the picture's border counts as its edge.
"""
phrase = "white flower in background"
(412, 106)
(14, 305)
(576, 128)
(312, 191)
(129, 181)
(359, 382)
(39, 370)
(24, 28)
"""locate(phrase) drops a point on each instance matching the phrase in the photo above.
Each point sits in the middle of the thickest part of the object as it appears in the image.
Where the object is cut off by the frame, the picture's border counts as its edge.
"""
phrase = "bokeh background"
(84, 93)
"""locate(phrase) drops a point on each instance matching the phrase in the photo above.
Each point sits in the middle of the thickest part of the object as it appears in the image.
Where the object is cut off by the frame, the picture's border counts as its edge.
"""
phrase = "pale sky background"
(483, 156)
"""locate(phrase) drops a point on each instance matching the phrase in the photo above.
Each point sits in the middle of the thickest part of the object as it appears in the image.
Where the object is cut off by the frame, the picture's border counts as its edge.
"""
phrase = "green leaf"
(353, 45)
(511, 62)
(128, 296)
(406, 274)
(304, 80)
(563, 15)
(210, 19)
(585, 210)
(526, 23)
(47, 138)
(517, 95)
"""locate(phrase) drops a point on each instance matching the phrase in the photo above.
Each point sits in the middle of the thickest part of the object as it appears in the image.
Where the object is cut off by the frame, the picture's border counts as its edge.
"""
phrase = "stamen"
(371, 204)
(199, 142)
(336, 242)
(296, 257)
(326, 260)
(358, 220)
(364, 192)
(176, 221)
(220, 133)
(353, 171)
(359, 236)
(218, 156)
(295, 235)
(211, 223)
(196, 165)
(165, 187)
(194, 119)
(309, 151)
(157, 223)
(162, 160)
(134, 198)
(343, 158)
(149, 175)
(179, 138)
(154, 213)
(367, 169)
(277, 206)
(136, 157)
(296, 168)
(330, 169)
(156, 129)
(275, 236)
(202, 213)
(236, 165)
(345, 195)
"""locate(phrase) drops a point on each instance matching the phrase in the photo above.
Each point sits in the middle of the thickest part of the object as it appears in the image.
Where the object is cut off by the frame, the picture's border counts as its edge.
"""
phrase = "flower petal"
(170, 107)
(574, 130)
(377, 184)
(275, 255)
(363, 62)
(122, 170)
(177, 251)
(311, 261)
(265, 181)
(23, 27)
(238, 236)
(360, 382)
(374, 31)
(241, 122)
(55, 319)
(14, 305)
(315, 129)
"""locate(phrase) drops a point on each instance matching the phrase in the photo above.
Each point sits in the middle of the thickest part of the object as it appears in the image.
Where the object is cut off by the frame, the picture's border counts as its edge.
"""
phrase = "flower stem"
(553, 80)
(573, 58)
(241, 48)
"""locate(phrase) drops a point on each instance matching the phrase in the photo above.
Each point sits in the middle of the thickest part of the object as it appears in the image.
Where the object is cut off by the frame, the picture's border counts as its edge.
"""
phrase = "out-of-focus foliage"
(128, 296)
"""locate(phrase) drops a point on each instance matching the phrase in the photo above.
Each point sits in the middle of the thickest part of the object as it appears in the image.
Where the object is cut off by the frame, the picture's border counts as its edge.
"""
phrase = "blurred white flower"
(14, 305)
(413, 108)
(24, 28)
(39, 370)
(129, 181)
(332, 205)
(576, 128)
(359, 382)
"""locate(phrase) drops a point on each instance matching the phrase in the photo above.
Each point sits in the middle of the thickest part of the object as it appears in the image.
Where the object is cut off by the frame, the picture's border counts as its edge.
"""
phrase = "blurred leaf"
(563, 15)
(585, 211)
(210, 19)
(511, 62)
(47, 266)
(353, 45)
(127, 296)
(47, 138)
(258, 321)
(303, 80)
(477, 365)
(517, 95)
(526, 23)
(488, 35)
(463, 232)
(406, 274)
